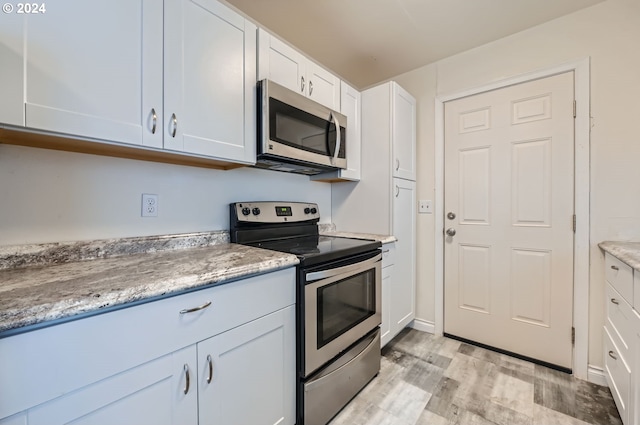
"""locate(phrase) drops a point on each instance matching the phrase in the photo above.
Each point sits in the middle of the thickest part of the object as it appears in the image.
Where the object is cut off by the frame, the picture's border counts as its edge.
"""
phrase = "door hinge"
(574, 223)
(573, 336)
(575, 106)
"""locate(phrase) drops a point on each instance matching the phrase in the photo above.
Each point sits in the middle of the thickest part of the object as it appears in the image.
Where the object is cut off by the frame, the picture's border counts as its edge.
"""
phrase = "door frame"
(581, 69)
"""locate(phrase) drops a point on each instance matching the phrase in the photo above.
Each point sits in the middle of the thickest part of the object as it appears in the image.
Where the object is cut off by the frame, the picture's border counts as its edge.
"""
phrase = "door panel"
(509, 182)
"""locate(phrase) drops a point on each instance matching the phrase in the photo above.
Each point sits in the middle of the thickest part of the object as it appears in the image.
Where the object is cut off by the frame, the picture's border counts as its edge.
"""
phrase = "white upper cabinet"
(94, 69)
(403, 133)
(281, 63)
(210, 54)
(351, 107)
(12, 70)
(177, 76)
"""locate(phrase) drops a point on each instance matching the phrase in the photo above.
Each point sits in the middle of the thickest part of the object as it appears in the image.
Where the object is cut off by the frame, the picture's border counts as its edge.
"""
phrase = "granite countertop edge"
(36, 296)
(384, 239)
(627, 252)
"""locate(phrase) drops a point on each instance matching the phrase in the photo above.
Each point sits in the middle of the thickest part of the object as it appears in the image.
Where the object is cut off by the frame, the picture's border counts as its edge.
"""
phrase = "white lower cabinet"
(230, 362)
(388, 251)
(157, 392)
(246, 374)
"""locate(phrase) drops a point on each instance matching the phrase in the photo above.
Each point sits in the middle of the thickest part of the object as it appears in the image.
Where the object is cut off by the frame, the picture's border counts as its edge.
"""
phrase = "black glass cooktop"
(318, 249)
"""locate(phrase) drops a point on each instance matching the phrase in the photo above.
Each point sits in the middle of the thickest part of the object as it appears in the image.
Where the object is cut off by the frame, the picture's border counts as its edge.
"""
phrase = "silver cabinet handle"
(155, 120)
(194, 309)
(613, 355)
(338, 137)
(397, 191)
(614, 301)
(310, 87)
(175, 124)
(210, 363)
(451, 232)
(302, 84)
(615, 268)
(397, 164)
(187, 378)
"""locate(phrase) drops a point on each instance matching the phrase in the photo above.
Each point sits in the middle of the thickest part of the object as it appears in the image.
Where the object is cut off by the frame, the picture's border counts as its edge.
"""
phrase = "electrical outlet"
(425, 207)
(149, 205)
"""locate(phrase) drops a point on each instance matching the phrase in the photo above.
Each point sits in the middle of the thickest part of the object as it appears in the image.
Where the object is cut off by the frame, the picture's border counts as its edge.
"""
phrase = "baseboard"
(595, 375)
(423, 325)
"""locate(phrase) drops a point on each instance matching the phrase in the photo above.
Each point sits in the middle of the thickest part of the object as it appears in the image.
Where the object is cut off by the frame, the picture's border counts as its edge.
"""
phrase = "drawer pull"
(613, 355)
(210, 362)
(187, 378)
(614, 301)
(194, 309)
(615, 268)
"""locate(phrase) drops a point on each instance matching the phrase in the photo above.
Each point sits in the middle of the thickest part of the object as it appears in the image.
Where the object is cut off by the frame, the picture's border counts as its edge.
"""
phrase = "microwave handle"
(338, 138)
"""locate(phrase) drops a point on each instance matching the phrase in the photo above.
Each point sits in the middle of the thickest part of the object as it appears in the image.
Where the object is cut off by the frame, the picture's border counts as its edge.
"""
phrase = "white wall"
(608, 33)
(49, 196)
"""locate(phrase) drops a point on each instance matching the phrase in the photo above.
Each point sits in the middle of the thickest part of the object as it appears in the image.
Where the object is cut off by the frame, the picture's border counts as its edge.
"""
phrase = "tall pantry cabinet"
(384, 201)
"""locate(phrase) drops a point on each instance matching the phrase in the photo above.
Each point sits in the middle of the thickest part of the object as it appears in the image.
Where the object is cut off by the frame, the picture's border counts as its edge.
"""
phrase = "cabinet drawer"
(618, 377)
(619, 321)
(620, 276)
(388, 254)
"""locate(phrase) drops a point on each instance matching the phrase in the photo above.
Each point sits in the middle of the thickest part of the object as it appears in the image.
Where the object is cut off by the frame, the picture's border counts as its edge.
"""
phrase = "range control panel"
(274, 212)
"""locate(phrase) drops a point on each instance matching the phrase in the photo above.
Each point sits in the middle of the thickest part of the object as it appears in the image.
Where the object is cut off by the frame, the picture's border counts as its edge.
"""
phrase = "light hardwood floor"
(428, 380)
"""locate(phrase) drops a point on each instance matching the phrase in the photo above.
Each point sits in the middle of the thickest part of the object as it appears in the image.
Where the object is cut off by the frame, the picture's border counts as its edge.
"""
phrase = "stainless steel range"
(338, 307)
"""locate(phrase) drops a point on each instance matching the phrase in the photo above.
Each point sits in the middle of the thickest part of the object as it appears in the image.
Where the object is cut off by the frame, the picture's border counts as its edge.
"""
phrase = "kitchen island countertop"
(37, 295)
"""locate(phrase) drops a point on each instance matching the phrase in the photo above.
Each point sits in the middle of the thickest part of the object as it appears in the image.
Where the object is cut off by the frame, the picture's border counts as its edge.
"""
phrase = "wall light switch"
(425, 207)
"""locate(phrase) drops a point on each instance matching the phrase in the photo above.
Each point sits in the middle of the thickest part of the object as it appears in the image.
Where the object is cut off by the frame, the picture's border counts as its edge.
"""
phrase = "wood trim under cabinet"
(43, 140)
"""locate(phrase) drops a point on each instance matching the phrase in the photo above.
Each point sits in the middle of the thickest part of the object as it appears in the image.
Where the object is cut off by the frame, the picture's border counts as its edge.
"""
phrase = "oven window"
(344, 304)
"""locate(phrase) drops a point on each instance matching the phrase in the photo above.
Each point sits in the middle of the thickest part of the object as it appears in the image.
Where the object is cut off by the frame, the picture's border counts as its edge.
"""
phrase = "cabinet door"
(323, 86)
(385, 328)
(403, 133)
(350, 105)
(210, 76)
(404, 225)
(252, 370)
(153, 393)
(281, 63)
(12, 69)
(94, 69)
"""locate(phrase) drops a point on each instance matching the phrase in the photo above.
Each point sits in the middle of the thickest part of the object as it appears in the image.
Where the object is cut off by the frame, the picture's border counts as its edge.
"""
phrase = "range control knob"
(307, 210)
(256, 211)
(246, 211)
(314, 210)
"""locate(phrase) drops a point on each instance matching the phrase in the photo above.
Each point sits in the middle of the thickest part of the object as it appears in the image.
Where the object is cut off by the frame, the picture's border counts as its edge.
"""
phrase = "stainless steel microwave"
(297, 134)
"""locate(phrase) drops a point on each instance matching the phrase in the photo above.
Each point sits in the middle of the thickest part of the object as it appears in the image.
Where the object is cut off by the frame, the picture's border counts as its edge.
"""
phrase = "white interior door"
(509, 182)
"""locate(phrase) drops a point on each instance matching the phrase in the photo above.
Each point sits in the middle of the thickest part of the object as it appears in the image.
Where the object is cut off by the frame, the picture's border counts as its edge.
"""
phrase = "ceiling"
(368, 41)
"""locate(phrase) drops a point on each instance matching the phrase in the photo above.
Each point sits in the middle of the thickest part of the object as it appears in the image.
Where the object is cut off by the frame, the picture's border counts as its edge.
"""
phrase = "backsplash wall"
(50, 196)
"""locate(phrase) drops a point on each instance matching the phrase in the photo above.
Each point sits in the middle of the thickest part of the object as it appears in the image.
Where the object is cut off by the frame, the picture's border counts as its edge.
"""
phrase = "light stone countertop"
(381, 238)
(30, 296)
(627, 252)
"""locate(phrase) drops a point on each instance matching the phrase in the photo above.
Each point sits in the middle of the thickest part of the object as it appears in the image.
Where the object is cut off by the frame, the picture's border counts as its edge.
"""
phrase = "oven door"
(341, 305)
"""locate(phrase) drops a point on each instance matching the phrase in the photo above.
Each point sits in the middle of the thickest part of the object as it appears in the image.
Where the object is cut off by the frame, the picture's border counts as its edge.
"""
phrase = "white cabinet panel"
(404, 134)
(209, 80)
(153, 393)
(73, 83)
(252, 370)
(286, 66)
(12, 69)
(404, 277)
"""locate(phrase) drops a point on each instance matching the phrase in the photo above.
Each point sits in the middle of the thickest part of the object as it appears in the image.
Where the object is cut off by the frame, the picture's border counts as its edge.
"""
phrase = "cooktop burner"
(315, 249)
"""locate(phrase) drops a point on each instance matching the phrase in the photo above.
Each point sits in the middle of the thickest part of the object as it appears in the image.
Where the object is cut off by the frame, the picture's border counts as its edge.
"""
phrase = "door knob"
(451, 215)
(451, 231)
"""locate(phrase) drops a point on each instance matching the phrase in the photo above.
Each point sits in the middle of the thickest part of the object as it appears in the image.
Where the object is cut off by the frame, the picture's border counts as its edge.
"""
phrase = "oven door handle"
(324, 274)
